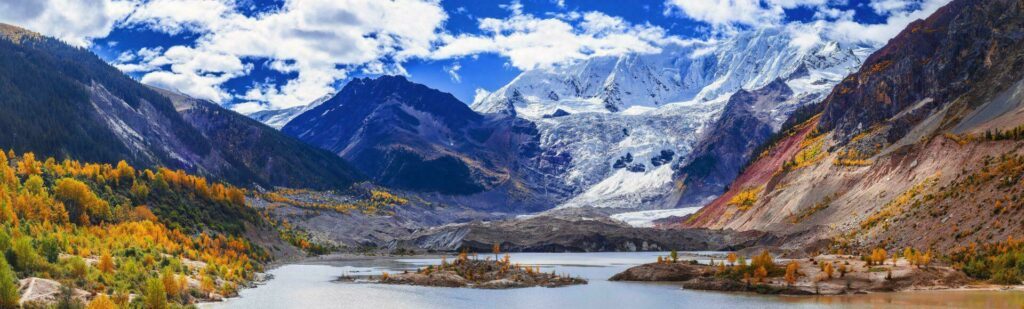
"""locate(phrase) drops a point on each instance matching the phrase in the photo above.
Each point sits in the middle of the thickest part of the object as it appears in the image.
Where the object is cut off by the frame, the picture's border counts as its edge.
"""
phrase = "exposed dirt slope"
(894, 161)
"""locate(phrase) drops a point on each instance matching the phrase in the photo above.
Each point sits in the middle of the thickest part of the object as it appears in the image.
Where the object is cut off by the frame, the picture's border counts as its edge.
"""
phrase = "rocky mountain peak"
(968, 45)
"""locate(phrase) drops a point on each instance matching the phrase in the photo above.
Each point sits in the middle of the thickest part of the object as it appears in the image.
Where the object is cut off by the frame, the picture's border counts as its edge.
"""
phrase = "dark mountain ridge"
(66, 102)
(965, 48)
(405, 135)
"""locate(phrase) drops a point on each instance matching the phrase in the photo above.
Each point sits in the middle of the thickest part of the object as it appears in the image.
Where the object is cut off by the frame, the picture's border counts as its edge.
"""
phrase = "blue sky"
(266, 54)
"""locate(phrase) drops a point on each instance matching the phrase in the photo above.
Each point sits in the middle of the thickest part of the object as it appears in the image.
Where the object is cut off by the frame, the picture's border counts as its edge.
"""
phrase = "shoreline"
(821, 275)
(329, 259)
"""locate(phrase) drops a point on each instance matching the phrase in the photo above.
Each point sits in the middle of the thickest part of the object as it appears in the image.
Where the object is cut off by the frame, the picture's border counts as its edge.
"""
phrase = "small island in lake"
(485, 273)
(823, 274)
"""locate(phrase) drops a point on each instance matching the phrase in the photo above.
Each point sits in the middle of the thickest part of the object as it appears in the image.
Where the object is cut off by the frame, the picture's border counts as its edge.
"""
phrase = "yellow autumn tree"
(101, 301)
(878, 256)
(170, 282)
(80, 200)
(29, 166)
(792, 270)
(207, 284)
(926, 259)
(155, 296)
(760, 274)
(106, 263)
(908, 254)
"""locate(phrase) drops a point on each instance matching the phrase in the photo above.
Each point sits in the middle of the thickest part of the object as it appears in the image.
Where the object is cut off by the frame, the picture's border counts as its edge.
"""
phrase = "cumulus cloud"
(532, 42)
(744, 12)
(320, 41)
(195, 72)
(830, 22)
(175, 16)
(889, 6)
(848, 30)
(76, 22)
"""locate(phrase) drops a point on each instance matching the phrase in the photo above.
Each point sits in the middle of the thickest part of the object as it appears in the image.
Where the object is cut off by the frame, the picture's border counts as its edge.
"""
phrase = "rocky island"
(821, 275)
(472, 272)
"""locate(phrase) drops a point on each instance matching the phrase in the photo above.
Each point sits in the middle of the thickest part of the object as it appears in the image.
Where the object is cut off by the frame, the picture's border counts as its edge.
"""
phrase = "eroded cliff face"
(920, 148)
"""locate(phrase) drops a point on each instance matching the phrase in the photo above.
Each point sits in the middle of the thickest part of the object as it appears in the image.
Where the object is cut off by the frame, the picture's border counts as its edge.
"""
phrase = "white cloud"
(848, 30)
(194, 72)
(453, 72)
(515, 7)
(73, 21)
(319, 40)
(248, 107)
(532, 42)
(889, 6)
(480, 95)
(743, 12)
(830, 22)
(174, 16)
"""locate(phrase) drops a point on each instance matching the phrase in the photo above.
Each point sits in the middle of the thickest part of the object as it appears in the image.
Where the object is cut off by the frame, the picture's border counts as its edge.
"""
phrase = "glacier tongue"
(625, 121)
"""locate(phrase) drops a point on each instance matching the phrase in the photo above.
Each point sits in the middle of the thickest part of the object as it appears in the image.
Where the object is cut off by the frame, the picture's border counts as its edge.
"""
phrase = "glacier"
(625, 122)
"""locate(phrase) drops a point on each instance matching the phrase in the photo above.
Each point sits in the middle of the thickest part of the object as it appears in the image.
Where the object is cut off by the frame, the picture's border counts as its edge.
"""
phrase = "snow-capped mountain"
(694, 72)
(623, 123)
(277, 118)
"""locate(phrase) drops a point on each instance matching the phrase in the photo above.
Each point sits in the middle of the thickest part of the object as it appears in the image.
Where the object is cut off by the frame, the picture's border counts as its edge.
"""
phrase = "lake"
(310, 285)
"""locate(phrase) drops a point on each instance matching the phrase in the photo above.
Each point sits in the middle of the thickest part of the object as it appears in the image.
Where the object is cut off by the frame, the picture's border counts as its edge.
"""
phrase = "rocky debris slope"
(571, 233)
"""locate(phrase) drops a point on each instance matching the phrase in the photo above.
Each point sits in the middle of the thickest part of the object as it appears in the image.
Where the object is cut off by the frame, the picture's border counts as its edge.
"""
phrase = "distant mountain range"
(614, 132)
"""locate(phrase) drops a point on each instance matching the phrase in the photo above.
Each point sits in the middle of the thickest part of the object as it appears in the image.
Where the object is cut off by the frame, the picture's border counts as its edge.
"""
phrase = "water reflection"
(310, 286)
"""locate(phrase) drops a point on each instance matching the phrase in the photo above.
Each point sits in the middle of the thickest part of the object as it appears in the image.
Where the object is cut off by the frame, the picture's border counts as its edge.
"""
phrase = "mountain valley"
(900, 163)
